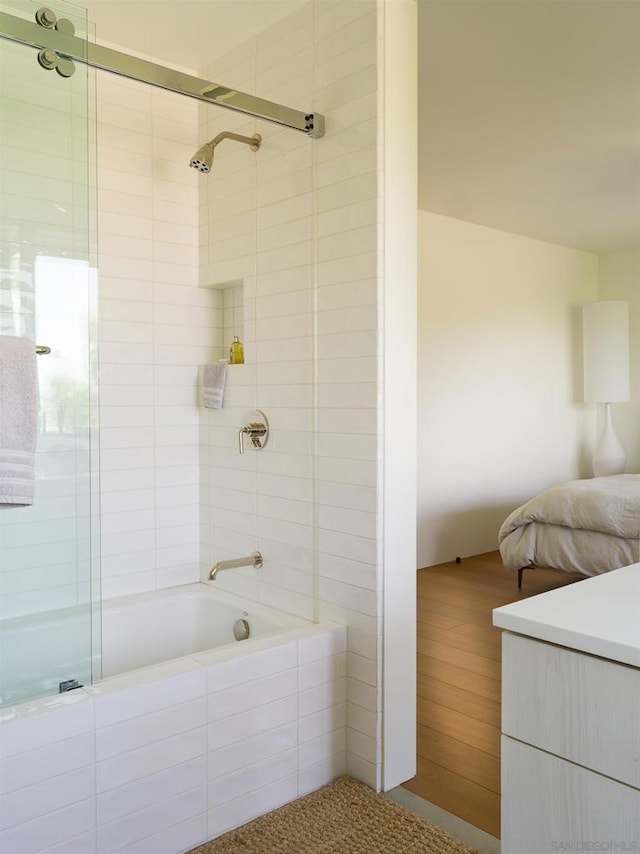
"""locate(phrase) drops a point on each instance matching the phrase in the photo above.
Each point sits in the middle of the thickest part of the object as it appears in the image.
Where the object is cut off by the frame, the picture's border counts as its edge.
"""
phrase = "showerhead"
(203, 158)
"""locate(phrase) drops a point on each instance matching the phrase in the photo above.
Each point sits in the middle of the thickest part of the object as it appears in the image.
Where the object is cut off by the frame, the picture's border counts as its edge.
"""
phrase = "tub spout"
(254, 559)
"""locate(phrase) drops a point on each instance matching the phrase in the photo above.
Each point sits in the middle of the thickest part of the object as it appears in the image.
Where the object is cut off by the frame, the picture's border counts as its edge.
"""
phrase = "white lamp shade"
(606, 351)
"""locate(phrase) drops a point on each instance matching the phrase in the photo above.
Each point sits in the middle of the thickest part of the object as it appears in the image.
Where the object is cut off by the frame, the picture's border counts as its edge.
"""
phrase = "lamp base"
(609, 457)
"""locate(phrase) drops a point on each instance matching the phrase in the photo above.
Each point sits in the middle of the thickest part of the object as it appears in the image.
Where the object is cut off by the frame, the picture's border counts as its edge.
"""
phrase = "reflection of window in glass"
(16, 300)
(64, 323)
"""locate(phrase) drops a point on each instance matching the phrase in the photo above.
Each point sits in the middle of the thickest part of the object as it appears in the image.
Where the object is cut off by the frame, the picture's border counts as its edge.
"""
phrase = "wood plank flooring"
(459, 659)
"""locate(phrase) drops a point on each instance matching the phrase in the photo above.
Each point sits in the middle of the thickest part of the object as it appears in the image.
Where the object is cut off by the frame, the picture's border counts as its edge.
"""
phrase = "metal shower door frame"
(117, 62)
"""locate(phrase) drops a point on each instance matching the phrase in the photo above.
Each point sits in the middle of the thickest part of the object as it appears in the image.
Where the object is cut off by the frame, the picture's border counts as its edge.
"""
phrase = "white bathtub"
(148, 628)
(52, 647)
(173, 752)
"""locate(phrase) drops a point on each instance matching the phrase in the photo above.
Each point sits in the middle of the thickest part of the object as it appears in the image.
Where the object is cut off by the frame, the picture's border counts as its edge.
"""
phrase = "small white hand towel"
(214, 377)
(18, 420)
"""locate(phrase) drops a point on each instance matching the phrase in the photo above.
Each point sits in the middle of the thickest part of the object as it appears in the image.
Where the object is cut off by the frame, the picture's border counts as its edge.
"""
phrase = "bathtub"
(148, 628)
(189, 734)
(52, 647)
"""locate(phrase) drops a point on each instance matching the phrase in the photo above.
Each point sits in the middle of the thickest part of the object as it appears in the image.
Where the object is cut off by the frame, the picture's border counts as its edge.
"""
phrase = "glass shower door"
(48, 568)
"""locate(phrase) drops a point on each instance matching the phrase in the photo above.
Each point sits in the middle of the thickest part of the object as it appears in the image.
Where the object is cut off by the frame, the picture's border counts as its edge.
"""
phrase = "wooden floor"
(459, 682)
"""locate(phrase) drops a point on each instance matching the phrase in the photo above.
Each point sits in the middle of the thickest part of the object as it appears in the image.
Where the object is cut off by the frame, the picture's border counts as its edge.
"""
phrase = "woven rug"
(345, 817)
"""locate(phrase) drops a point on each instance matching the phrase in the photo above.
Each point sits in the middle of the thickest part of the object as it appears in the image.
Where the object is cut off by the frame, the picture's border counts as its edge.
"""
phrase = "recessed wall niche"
(230, 322)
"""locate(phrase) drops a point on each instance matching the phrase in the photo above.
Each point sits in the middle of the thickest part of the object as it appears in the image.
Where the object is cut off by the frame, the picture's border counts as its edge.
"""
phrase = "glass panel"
(47, 294)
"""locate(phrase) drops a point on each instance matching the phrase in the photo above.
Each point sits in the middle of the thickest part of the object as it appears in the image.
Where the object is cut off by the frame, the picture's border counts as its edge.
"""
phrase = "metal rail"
(78, 49)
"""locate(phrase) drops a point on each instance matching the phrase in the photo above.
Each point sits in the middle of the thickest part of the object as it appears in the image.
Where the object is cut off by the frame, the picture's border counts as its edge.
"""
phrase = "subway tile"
(284, 555)
(245, 696)
(142, 761)
(241, 810)
(85, 843)
(362, 82)
(53, 829)
(334, 171)
(254, 778)
(356, 573)
(348, 447)
(348, 345)
(43, 723)
(369, 773)
(153, 788)
(257, 748)
(135, 828)
(348, 269)
(120, 543)
(155, 726)
(343, 470)
(354, 619)
(156, 688)
(332, 17)
(322, 671)
(340, 40)
(286, 532)
(322, 773)
(179, 837)
(318, 749)
(363, 643)
(322, 722)
(365, 747)
(32, 802)
(285, 577)
(289, 601)
(366, 721)
(129, 563)
(270, 662)
(243, 724)
(361, 694)
(341, 519)
(322, 697)
(122, 479)
(272, 45)
(363, 668)
(321, 646)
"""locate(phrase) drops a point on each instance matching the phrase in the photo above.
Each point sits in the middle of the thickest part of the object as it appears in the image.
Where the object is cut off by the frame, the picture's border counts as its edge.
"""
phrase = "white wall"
(156, 327)
(620, 280)
(500, 378)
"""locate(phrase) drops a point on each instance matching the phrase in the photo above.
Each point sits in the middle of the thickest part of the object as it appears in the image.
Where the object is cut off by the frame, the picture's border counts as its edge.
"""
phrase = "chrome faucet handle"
(256, 431)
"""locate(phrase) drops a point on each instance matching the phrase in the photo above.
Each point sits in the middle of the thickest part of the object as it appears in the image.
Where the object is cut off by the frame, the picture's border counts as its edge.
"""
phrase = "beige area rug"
(345, 817)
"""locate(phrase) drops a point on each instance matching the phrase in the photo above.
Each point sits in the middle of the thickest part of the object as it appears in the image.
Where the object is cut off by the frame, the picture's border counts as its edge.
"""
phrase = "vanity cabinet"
(570, 750)
(571, 718)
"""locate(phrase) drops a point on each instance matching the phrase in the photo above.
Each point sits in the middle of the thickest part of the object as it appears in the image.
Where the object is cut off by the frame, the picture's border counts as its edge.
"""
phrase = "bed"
(585, 526)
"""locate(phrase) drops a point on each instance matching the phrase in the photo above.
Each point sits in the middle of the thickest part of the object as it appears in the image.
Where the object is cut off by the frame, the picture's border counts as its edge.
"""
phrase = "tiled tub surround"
(159, 760)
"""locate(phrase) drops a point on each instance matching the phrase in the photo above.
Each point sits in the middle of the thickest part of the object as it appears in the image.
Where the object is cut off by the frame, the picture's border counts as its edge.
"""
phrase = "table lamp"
(606, 374)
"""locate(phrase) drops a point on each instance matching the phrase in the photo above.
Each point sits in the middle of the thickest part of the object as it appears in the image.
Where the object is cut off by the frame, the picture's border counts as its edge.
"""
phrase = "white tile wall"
(307, 220)
(174, 755)
(156, 327)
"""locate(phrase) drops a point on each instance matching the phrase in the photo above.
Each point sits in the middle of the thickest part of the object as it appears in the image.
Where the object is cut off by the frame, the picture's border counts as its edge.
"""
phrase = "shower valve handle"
(256, 431)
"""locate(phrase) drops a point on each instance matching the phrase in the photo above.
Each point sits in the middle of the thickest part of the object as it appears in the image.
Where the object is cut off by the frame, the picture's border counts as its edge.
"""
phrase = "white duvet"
(588, 526)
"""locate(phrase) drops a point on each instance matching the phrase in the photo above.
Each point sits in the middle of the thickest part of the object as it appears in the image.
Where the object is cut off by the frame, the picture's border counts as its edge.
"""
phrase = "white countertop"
(600, 615)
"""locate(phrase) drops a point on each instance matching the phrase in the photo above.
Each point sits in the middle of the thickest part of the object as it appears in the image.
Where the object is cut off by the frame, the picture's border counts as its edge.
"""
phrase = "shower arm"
(252, 141)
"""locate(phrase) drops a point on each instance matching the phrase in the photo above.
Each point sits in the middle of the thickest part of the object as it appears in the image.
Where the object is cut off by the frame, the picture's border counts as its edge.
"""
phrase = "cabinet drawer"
(577, 706)
(552, 805)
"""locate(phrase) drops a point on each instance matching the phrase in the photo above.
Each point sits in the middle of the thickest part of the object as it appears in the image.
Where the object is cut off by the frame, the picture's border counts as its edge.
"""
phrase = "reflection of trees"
(67, 405)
